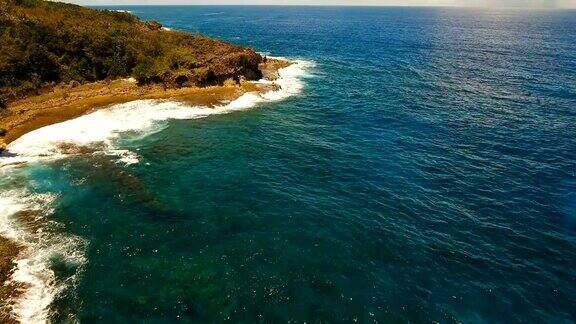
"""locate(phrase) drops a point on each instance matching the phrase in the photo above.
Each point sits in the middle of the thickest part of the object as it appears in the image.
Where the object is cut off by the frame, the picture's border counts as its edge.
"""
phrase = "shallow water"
(425, 172)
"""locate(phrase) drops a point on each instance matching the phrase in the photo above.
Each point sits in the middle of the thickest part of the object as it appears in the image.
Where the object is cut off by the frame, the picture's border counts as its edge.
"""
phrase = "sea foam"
(99, 131)
(103, 127)
(32, 273)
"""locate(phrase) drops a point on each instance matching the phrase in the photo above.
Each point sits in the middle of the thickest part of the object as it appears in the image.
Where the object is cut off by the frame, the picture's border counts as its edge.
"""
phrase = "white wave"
(100, 131)
(102, 128)
(32, 270)
(213, 13)
(290, 80)
(166, 29)
(125, 156)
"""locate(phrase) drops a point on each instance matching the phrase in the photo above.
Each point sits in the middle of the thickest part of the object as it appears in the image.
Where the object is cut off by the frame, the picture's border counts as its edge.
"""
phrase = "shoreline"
(65, 103)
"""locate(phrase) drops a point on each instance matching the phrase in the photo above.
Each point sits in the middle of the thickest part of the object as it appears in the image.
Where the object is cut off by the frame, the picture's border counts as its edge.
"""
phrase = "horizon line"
(321, 5)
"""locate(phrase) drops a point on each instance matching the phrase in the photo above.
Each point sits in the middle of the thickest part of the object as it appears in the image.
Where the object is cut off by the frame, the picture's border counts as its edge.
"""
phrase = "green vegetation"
(44, 43)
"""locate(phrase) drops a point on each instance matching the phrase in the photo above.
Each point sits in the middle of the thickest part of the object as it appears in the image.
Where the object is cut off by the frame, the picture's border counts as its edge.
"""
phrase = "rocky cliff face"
(233, 66)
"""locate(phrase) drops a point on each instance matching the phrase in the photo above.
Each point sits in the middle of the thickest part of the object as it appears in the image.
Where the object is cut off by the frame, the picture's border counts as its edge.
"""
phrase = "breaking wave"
(24, 220)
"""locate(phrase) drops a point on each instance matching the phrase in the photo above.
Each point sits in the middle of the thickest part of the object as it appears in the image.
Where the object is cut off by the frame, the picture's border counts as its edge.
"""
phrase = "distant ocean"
(419, 166)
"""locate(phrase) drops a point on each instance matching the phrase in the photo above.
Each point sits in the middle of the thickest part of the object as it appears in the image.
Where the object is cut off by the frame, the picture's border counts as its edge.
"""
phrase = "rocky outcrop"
(234, 66)
(153, 25)
(2, 142)
(271, 67)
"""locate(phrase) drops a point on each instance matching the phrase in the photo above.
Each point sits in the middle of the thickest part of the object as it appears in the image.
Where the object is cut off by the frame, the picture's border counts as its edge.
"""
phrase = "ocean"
(419, 165)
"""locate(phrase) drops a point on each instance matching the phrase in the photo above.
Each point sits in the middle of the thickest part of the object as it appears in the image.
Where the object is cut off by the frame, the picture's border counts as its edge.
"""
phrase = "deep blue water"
(427, 173)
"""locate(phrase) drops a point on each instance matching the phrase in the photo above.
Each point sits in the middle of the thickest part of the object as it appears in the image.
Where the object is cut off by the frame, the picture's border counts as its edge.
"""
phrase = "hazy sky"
(474, 3)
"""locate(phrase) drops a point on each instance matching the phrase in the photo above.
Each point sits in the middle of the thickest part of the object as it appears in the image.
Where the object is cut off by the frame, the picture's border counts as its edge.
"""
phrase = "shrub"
(44, 43)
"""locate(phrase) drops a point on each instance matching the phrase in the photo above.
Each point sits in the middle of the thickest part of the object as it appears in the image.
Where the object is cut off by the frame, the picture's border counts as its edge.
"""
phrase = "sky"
(553, 4)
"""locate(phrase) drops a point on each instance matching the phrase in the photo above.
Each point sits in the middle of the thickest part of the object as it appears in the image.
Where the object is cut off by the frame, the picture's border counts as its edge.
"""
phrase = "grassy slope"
(44, 43)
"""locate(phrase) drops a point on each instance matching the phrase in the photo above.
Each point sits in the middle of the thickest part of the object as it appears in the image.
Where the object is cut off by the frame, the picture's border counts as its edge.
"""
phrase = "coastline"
(65, 103)
(69, 101)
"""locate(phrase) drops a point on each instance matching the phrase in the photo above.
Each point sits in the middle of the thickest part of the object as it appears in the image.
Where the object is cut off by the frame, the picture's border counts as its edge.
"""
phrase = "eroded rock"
(153, 25)
(2, 145)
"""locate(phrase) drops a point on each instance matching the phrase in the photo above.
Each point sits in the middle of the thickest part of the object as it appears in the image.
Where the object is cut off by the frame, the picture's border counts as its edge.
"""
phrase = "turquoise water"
(426, 172)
